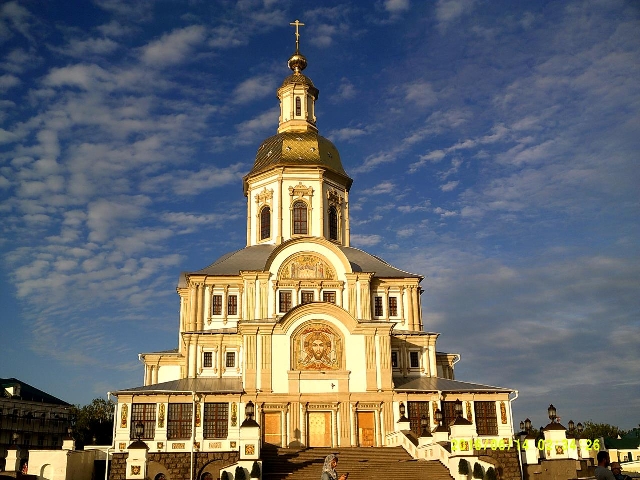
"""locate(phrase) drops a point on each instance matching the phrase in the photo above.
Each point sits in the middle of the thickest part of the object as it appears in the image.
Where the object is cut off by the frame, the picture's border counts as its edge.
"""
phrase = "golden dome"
(297, 149)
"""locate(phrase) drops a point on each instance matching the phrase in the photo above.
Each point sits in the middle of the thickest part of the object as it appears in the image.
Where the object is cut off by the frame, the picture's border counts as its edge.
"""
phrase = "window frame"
(288, 301)
(411, 357)
(232, 305)
(207, 358)
(230, 354)
(415, 410)
(216, 304)
(145, 413)
(307, 293)
(265, 212)
(378, 307)
(486, 417)
(179, 421)
(333, 219)
(326, 295)
(393, 306)
(395, 353)
(216, 423)
(300, 217)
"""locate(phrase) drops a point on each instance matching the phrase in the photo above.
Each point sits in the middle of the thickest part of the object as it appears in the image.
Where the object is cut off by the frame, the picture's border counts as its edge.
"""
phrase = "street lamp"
(249, 410)
(580, 429)
(438, 416)
(521, 426)
(552, 413)
(139, 429)
(423, 423)
(403, 410)
(458, 408)
(527, 425)
(15, 438)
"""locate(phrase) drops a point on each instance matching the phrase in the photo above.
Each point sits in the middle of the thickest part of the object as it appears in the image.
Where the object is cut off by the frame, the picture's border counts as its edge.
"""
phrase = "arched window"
(333, 223)
(298, 107)
(265, 223)
(300, 218)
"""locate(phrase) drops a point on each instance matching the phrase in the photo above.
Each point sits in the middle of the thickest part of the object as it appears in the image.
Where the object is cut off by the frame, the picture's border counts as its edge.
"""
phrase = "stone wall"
(176, 466)
(505, 462)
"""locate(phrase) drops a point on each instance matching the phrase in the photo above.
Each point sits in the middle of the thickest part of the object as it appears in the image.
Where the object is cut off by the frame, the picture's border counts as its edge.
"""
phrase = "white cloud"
(448, 11)
(90, 46)
(175, 47)
(363, 240)
(449, 186)
(396, 6)
(346, 134)
(444, 213)
(253, 88)
(7, 81)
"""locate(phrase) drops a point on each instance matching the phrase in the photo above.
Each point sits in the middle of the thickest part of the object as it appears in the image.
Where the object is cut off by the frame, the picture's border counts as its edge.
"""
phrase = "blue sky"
(493, 145)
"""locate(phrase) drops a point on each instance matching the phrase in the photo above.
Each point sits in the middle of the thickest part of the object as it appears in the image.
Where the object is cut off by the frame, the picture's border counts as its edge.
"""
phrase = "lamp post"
(14, 437)
(458, 408)
(527, 425)
(552, 413)
(423, 423)
(249, 410)
(438, 416)
(139, 429)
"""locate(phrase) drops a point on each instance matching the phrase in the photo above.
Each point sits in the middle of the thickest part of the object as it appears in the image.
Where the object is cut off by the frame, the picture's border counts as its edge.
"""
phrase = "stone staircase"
(362, 464)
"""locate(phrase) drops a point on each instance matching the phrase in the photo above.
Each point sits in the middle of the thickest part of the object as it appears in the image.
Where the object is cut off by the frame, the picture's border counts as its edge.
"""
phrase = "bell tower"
(297, 186)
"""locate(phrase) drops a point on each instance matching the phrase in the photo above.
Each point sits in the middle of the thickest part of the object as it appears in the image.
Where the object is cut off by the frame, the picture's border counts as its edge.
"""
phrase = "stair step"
(362, 463)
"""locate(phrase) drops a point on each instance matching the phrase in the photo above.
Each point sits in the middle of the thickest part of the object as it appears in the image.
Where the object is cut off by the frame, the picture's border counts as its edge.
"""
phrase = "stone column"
(200, 317)
(416, 309)
(370, 355)
(266, 362)
(401, 305)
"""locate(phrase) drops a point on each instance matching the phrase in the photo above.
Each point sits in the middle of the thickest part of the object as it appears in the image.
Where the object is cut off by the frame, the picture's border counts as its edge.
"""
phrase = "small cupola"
(297, 95)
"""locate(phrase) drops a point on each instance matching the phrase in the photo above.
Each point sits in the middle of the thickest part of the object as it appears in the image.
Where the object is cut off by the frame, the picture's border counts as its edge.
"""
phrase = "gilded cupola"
(297, 142)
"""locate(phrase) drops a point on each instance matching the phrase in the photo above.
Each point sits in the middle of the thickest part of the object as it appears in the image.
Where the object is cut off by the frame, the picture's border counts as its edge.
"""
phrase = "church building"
(322, 343)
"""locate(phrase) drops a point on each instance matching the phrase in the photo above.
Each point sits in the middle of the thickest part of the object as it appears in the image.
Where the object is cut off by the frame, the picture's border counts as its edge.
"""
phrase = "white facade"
(326, 340)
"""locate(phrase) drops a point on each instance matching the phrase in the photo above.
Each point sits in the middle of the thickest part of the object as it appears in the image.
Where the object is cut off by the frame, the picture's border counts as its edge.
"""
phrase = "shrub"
(478, 472)
(491, 474)
(463, 467)
(225, 476)
(240, 475)
(255, 470)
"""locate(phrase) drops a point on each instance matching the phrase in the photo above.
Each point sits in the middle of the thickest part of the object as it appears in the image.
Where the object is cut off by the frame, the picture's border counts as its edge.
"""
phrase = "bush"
(225, 476)
(491, 474)
(463, 467)
(255, 470)
(478, 472)
(240, 475)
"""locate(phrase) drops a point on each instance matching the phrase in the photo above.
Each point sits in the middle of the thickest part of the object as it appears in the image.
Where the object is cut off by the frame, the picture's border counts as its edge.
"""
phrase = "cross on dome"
(297, 24)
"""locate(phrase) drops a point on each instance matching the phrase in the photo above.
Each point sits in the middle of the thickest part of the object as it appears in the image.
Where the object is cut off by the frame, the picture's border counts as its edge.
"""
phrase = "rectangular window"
(230, 359)
(216, 306)
(216, 420)
(414, 359)
(207, 360)
(416, 411)
(329, 297)
(232, 305)
(306, 297)
(486, 418)
(378, 306)
(145, 413)
(179, 421)
(448, 413)
(394, 359)
(285, 301)
(393, 306)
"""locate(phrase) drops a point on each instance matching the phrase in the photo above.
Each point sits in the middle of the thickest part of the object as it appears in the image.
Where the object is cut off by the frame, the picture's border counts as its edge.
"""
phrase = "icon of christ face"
(318, 348)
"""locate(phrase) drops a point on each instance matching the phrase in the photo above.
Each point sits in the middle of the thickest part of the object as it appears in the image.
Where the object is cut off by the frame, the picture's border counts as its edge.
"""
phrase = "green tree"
(594, 430)
(491, 474)
(240, 475)
(478, 471)
(463, 467)
(225, 476)
(255, 470)
(93, 420)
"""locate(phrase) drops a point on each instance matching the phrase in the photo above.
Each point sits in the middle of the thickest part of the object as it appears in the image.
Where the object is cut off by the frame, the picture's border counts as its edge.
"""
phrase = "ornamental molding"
(264, 196)
(333, 197)
(300, 191)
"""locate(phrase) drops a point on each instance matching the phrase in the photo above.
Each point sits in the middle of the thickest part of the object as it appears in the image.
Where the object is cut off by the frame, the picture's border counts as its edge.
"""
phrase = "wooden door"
(319, 429)
(366, 429)
(272, 428)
